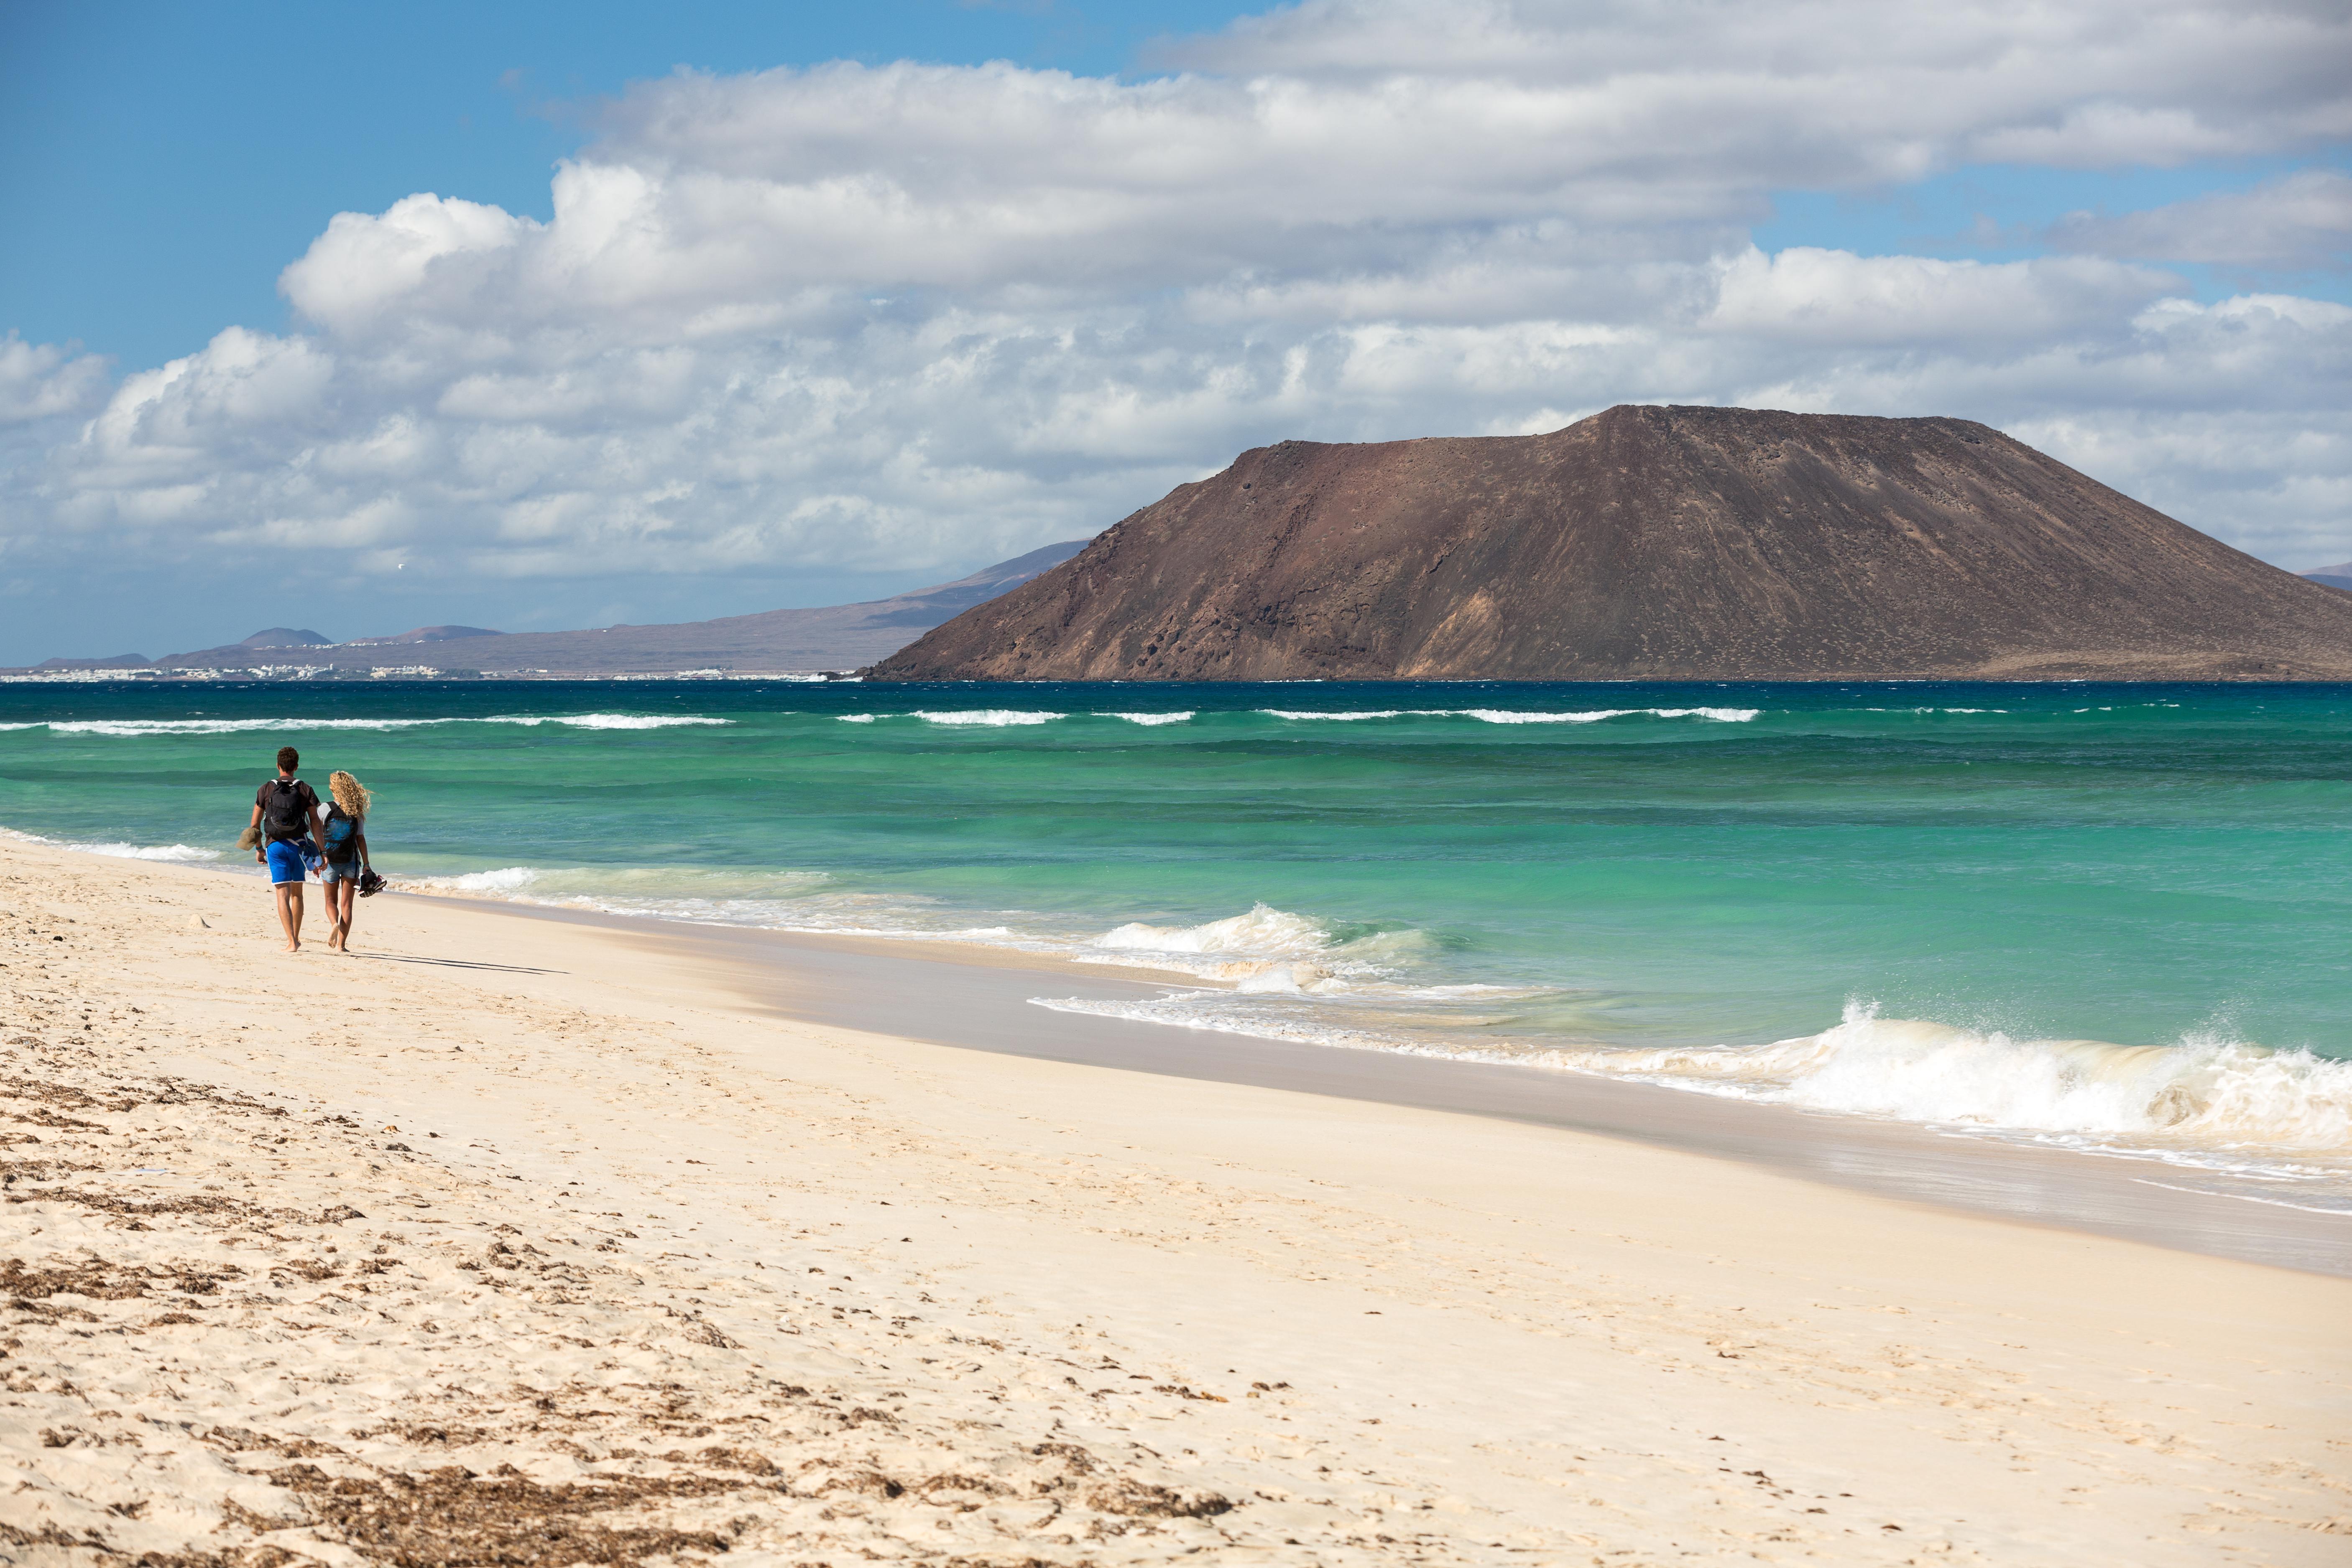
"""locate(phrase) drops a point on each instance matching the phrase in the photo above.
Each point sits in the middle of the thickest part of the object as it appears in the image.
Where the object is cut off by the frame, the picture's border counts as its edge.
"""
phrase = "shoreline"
(507, 1230)
(920, 988)
(2125, 1194)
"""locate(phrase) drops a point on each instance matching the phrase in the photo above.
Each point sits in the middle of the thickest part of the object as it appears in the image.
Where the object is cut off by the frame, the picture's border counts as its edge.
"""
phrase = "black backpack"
(285, 816)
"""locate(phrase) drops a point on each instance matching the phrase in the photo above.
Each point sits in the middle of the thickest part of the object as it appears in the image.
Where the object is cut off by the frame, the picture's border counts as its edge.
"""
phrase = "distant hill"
(119, 661)
(428, 634)
(1652, 543)
(838, 637)
(2336, 576)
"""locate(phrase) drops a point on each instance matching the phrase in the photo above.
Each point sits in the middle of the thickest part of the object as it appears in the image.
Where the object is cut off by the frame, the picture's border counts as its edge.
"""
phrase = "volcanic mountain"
(1651, 543)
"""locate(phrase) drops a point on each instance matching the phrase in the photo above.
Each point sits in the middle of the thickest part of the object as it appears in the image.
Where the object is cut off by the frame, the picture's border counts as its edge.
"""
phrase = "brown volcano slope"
(1701, 543)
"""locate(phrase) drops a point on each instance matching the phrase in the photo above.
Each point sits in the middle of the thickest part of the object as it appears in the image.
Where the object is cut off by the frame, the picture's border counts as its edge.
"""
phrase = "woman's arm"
(360, 834)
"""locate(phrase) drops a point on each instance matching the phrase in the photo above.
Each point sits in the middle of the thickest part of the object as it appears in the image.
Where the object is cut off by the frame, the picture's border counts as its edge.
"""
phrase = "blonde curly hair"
(350, 794)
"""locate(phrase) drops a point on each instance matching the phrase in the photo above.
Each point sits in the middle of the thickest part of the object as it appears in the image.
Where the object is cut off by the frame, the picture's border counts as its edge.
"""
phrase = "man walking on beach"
(286, 812)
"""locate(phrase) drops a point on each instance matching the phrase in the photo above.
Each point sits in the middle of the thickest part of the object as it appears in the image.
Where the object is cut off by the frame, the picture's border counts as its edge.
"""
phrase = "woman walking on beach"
(343, 838)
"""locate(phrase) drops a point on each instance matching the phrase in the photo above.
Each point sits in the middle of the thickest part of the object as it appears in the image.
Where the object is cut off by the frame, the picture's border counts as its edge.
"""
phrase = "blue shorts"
(331, 872)
(287, 862)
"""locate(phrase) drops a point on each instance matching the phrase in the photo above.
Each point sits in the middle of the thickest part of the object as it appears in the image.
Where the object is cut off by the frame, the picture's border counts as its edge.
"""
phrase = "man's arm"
(261, 853)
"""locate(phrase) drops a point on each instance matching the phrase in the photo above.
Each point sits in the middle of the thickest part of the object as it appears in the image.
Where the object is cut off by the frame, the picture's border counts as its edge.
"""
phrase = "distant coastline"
(329, 674)
(826, 642)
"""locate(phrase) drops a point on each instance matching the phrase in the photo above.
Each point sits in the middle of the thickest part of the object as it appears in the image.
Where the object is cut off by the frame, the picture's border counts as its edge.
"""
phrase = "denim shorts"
(287, 862)
(330, 873)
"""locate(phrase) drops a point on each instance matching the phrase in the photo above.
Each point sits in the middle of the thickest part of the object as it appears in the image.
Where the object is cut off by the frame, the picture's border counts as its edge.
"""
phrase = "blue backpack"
(342, 836)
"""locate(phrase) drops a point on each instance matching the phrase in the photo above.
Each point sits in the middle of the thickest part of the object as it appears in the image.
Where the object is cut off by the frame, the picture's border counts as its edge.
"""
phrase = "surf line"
(2243, 1197)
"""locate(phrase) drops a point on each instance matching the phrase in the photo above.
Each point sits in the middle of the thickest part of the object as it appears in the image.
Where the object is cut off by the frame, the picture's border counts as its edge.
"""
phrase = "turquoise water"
(1949, 903)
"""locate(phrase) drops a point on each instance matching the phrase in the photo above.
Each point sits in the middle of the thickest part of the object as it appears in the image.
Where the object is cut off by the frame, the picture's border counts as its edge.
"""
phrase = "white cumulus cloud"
(2298, 222)
(910, 315)
(43, 381)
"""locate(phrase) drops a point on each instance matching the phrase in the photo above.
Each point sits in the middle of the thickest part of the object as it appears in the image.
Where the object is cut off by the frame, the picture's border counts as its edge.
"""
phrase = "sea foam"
(1508, 716)
(504, 881)
(2201, 1090)
(183, 852)
(1264, 950)
(606, 721)
(122, 851)
(992, 717)
(137, 727)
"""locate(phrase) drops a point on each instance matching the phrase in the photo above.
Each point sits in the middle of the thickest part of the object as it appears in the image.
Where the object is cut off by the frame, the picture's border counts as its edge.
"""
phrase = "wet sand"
(533, 1240)
(981, 999)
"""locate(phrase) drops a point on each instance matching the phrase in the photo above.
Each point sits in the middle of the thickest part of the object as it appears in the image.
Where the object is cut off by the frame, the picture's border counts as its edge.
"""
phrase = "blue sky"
(238, 133)
(877, 327)
(231, 134)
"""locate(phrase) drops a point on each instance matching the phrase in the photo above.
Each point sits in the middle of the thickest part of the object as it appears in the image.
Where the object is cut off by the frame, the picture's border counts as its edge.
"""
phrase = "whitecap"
(603, 721)
(1502, 716)
(987, 716)
(1509, 716)
(144, 727)
(1177, 718)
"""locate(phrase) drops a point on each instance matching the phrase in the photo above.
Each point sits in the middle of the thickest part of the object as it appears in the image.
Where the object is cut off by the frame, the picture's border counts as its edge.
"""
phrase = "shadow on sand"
(456, 963)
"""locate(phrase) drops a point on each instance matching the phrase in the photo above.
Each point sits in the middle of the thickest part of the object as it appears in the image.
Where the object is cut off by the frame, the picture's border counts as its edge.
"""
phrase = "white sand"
(642, 1274)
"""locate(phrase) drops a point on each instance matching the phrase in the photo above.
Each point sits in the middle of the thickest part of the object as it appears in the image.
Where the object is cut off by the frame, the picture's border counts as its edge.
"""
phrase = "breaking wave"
(506, 880)
(1004, 717)
(1265, 950)
(135, 727)
(149, 851)
(609, 721)
(2202, 1090)
(1506, 716)
(167, 852)
(993, 716)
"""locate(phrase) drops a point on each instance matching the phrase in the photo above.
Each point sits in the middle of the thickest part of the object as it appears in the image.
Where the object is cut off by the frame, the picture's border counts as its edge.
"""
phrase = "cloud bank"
(869, 318)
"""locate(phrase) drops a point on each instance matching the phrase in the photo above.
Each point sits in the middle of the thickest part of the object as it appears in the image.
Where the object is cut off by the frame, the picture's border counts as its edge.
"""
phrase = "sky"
(356, 318)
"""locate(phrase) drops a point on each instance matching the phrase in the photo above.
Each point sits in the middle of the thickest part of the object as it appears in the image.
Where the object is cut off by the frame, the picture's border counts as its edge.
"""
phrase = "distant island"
(1644, 543)
(839, 639)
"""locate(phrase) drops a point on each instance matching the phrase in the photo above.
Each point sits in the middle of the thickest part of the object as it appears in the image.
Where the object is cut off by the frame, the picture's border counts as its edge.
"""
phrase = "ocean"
(2116, 919)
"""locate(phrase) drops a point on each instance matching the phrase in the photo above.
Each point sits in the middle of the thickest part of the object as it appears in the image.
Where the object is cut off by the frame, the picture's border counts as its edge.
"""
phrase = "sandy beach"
(526, 1241)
